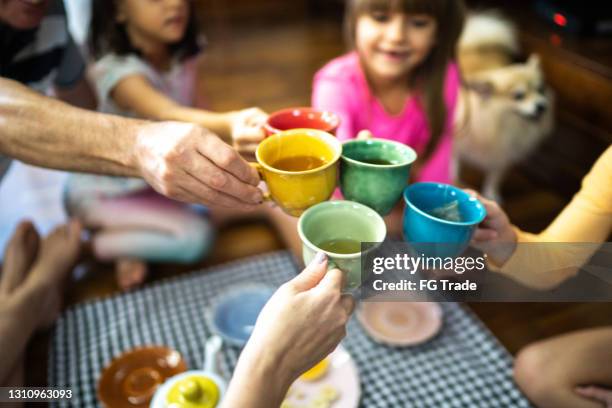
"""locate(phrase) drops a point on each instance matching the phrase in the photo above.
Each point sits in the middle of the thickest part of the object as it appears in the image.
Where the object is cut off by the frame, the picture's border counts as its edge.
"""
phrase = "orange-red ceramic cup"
(301, 118)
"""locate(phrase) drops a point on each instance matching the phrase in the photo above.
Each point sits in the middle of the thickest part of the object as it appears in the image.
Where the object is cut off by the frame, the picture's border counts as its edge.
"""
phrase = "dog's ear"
(482, 87)
(534, 61)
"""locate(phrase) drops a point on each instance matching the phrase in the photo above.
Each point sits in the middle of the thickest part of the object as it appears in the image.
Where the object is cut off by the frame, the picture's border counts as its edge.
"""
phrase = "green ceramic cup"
(375, 172)
(334, 227)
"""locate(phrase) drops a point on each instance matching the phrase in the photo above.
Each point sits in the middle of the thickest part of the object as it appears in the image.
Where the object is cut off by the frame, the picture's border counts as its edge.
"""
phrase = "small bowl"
(235, 312)
(132, 378)
(301, 118)
(400, 323)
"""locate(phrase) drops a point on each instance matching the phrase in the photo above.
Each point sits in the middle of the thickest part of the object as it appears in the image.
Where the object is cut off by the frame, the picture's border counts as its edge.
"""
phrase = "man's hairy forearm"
(49, 133)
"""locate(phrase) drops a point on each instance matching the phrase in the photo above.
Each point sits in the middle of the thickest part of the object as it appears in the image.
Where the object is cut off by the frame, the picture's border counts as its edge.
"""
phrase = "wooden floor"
(271, 66)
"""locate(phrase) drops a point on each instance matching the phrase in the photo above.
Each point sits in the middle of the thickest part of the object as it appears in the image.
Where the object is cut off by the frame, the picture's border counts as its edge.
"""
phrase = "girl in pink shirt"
(400, 82)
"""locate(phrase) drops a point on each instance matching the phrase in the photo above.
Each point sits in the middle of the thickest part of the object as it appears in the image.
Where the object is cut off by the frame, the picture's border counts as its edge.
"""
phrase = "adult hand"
(247, 129)
(188, 163)
(305, 319)
(495, 236)
(299, 326)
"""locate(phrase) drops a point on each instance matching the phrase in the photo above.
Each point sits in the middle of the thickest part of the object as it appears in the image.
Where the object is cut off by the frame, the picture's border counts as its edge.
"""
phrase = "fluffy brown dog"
(505, 108)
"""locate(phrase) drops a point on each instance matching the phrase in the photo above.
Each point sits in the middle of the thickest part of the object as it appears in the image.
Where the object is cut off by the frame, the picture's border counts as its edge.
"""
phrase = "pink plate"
(400, 323)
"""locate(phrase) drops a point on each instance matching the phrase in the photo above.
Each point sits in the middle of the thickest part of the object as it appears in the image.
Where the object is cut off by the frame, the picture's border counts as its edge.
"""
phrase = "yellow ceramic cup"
(296, 190)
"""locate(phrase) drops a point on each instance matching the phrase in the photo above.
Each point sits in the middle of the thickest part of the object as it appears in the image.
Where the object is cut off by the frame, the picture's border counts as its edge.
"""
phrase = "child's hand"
(247, 129)
(495, 235)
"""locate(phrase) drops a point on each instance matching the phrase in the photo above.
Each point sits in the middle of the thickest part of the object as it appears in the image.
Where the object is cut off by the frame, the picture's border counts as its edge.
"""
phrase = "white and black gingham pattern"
(464, 366)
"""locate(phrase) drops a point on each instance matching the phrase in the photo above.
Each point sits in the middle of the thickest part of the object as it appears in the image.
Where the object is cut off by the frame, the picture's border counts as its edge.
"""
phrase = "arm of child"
(530, 259)
(241, 128)
(586, 219)
(135, 93)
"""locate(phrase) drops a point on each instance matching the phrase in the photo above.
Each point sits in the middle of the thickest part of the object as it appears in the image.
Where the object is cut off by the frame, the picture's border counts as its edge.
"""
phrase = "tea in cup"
(299, 167)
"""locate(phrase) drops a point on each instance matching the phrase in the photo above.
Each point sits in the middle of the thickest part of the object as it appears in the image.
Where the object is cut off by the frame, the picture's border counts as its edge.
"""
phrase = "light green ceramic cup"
(340, 220)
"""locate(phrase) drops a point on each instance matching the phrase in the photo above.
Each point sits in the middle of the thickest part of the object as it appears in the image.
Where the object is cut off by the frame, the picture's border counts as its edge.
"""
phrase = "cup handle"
(332, 265)
(213, 345)
(365, 135)
(257, 166)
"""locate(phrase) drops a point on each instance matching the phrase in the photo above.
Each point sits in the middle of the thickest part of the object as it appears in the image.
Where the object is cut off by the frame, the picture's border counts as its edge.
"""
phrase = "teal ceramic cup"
(424, 226)
(337, 227)
(375, 172)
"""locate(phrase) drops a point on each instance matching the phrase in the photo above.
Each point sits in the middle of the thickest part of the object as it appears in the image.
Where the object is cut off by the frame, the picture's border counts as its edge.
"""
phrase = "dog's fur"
(504, 108)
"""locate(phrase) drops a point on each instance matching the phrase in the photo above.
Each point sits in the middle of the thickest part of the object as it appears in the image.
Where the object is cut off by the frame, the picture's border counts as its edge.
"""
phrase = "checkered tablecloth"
(464, 366)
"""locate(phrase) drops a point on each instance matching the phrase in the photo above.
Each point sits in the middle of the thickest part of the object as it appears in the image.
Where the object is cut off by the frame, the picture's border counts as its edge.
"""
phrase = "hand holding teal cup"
(338, 228)
(375, 172)
(440, 219)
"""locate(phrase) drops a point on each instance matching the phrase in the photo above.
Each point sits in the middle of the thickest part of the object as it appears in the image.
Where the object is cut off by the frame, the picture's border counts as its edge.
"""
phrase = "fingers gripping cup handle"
(257, 166)
(345, 290)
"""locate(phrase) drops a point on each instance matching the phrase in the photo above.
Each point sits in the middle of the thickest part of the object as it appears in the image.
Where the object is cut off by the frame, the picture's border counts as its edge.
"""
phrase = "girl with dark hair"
(400, 82)
(147, 52)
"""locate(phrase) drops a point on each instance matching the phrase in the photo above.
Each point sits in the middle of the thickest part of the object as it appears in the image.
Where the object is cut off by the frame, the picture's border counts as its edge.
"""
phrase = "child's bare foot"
(57, 255)
(130, 273)
(19, 255)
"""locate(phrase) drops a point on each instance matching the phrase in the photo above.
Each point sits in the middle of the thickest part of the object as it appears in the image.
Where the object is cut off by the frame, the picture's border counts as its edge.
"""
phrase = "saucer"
(338, 387)
(400, 323)
(235, 312)
(131, 379)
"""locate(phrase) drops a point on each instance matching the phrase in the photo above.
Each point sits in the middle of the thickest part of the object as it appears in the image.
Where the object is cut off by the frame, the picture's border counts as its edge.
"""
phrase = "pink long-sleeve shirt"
(341, 87)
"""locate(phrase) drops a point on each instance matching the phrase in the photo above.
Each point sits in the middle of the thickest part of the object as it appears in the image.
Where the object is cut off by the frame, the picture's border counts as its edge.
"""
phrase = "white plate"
(342, 375)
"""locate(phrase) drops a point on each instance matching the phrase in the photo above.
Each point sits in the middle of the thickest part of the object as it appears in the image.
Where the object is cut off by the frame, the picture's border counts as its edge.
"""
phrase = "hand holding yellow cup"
(300, 167)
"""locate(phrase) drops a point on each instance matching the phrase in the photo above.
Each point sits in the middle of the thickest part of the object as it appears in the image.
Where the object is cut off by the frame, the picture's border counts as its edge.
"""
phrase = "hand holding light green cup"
(300, 167)
(374, 171)
(338, 228)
